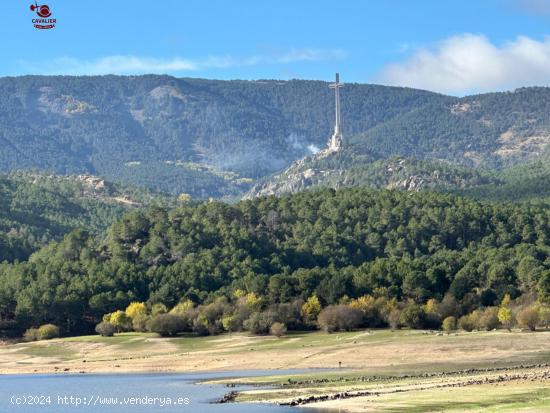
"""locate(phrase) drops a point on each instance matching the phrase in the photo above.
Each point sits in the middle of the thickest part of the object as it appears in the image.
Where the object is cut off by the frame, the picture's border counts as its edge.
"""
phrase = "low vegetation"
(246, 313)
(44, 332)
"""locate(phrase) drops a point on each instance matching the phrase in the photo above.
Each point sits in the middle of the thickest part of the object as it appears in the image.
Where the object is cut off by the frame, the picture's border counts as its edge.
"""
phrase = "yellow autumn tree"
(505, 315)
(364, 303)
(253, 301)
(136, 309)
(158, 308)
(431, 306)
(238, 293)
(311, 309)
(183, 307)
(120, 320)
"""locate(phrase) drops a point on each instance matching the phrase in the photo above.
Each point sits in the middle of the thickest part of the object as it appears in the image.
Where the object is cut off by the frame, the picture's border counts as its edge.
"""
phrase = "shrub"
(158, 308)
(259, 323)
(528, 318)
(278, 329)
(200, 325)
(105, 329)
(475, 319)
(140, 322)
(449, 324)
(48, 331)
(488, 319)
(167, 324)
(289, 314)
(339, 317)
(370, 308)
(544, 315)
(31, 334)
(120, 320)
(182, 307)
(393, 319)
(433, 317)
(413, 316)
(466, 323)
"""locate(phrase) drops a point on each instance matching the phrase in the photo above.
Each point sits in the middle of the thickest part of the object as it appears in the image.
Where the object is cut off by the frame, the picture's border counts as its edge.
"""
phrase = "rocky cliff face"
(330, 170)
(301, 175)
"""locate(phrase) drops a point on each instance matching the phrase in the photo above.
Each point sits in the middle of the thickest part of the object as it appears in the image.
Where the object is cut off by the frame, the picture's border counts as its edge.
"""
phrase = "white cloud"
(311, 55)
(127, 64)
(471, 63)
(118, 65)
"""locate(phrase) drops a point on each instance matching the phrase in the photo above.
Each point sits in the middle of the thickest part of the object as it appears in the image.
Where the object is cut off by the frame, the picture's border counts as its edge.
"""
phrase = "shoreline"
(378, 366)
(357, 395)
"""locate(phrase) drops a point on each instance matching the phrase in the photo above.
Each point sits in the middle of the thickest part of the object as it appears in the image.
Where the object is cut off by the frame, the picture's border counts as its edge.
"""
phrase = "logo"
(43, 11)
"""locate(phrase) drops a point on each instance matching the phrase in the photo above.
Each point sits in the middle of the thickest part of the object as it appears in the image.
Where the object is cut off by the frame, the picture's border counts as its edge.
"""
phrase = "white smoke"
(313, 148)
(298, 144)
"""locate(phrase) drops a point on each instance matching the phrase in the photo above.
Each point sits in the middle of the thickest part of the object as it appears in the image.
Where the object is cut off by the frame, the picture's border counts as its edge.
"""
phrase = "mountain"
(202, 137)
(36, 208)
(490, 130)
(212, 138)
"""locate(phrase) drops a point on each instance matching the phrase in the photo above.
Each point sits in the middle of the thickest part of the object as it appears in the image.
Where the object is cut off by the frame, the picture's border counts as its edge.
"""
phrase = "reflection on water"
(128, 393)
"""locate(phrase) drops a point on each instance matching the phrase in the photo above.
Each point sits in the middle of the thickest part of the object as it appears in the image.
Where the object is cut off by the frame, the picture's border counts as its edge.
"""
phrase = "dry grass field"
(381, 370)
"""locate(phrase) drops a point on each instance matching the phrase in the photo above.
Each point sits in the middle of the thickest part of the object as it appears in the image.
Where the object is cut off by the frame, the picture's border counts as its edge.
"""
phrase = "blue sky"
(451, 46)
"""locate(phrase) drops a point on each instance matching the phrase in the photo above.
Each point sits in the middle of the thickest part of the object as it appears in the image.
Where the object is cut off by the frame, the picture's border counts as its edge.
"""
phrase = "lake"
(127, 393)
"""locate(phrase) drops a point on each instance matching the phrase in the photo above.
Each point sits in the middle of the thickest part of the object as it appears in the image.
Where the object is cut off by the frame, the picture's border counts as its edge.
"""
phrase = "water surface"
(125, 393)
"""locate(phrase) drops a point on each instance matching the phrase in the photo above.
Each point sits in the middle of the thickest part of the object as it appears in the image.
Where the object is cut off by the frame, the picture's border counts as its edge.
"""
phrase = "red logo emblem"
(43, 11)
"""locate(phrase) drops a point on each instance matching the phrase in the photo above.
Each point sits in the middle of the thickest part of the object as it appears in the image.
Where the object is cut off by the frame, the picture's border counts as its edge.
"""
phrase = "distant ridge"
(213, 138)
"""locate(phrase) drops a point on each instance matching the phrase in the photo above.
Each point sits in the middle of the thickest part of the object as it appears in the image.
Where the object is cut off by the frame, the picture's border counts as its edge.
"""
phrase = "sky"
(455, 47)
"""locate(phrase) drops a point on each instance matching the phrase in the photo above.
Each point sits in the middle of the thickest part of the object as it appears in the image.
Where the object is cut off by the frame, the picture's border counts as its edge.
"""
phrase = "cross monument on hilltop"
(335, 141)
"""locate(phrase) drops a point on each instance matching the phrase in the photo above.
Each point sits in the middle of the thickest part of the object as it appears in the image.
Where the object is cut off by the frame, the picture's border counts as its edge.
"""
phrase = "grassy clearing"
(47, 350)
(410, 383)
(510, 390)
(379, 352)
(121, 338)
(517, 397)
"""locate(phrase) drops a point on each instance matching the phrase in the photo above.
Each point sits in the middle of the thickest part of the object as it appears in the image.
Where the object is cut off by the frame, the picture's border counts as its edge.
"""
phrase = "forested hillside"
(331, 245)
(530, 181)
(36, 208)
(214, 138)
(490, 130)
(123, 128)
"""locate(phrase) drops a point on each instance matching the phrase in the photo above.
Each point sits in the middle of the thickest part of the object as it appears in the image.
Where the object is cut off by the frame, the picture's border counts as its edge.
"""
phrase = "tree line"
(337, 246)
(246, 312)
